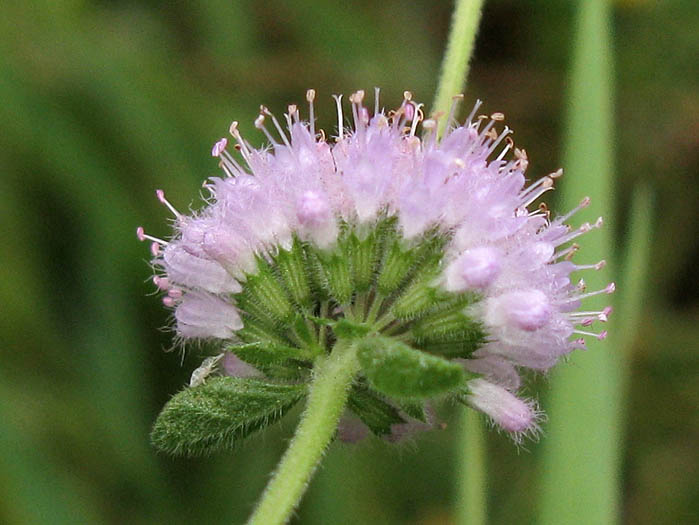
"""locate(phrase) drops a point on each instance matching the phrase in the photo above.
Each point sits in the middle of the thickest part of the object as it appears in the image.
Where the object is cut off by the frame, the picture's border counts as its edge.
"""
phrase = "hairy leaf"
(215, 415)
(395, 369)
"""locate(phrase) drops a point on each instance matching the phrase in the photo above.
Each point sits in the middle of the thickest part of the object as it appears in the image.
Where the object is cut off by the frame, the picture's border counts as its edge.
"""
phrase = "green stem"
(470, 504)
(326, 401)
(462, 37)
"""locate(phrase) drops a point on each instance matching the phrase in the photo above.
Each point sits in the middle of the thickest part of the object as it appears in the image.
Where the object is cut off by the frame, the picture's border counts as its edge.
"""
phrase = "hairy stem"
(462, 37)
(326, 401)
(470, 505)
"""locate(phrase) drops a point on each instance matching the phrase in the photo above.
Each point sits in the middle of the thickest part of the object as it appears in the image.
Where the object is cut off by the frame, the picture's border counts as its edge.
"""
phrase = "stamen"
(416, 119)
(583, 204)
(338, 103)
(522, 159)
(142, 236)
(531, 194)
(356, 101)
(567, 253)
(602, 335)
(596, 266)
(242, 146)
(476, 106)
(293, 112)
(452, 110)
(260, 124)
(376, 100)
(161, 197)
(280, 130)
(498, 140)
(606, 290)
(310, 97)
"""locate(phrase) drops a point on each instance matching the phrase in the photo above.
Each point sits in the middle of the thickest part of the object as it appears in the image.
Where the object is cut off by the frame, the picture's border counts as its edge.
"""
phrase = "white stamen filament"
(310, 97)
(280, 130)
(338, 103)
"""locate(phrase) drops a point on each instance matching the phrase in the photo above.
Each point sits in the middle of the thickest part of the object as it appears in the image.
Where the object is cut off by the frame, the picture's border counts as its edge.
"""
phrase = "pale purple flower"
(469, 187)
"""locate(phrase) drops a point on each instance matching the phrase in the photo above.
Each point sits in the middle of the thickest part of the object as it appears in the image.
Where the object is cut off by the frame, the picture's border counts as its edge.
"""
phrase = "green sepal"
(363, 256)
(414, 409)
(260, 353)
(305, 334)
(451, 333)
(264, 297)
(214, 416)
(421, 295)
(294, 271)
(397, 264)
(395, 369)
(374, 412)
(336, 275)
(346, 329)
(255, 331)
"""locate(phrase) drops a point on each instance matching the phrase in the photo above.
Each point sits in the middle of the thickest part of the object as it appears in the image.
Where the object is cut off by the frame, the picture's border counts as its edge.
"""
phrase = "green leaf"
(374, 412)
(395, 369)
(213, 416)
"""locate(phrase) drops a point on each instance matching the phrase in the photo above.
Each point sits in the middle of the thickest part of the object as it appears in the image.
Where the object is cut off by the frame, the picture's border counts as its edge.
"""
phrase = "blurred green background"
(101, 102)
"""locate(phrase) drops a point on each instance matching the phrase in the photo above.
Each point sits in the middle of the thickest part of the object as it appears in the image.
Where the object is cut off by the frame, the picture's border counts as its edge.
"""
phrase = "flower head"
(434, 242)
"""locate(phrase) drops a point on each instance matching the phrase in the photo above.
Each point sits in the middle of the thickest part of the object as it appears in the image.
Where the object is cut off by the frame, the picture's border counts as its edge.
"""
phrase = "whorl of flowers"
(429, 242)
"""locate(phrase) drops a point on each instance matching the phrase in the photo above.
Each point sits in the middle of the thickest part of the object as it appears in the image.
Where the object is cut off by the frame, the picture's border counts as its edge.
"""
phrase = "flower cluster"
(434, 242)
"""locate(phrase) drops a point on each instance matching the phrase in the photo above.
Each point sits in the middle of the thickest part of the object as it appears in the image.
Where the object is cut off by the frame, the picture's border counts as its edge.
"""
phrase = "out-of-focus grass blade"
(580, 456)
(34, 489)
(634, 269)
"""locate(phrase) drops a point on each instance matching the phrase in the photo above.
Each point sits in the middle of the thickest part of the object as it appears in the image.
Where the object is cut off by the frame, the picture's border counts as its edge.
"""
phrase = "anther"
(162, 283)
(155, 249)
(219, 147)
(497, 116)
